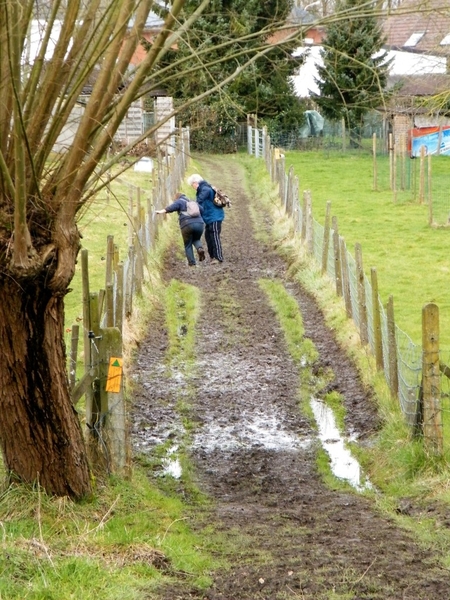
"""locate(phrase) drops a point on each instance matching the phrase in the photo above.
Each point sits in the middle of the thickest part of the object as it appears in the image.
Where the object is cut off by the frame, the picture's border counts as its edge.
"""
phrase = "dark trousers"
(191, 237)
(212, 237)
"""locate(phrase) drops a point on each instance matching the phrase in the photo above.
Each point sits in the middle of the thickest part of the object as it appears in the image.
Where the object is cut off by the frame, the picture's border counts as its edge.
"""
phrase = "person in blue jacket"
(191, 227)
(212, 215)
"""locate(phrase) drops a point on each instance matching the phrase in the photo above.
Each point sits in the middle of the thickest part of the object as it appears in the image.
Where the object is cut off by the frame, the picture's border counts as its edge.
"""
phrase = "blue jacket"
(180, 206)
(210, 212)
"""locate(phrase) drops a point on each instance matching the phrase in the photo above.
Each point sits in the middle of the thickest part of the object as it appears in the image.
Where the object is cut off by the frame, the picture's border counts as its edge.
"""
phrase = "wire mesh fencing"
(415, 374)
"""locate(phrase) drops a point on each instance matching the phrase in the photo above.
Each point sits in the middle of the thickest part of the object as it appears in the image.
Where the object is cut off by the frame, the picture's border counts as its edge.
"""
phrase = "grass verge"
(130, 539)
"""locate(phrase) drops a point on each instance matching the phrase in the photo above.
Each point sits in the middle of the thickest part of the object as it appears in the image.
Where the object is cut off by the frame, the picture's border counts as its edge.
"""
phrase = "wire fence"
(334, 136)
(105, 313)
(418, 178)
(416, 375)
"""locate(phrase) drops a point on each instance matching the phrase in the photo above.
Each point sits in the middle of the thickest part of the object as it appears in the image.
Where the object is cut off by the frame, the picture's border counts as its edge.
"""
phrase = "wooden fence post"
(144, 240)
(289, 190)
(374, 156)
(391, 152)
(422, 175)
(309, 239)
(112, 428)
(73, 355)
(337, 257)
(118, 300)
(362, 308)
(129, 283)
(431, 379)
(93, 403)
(403, 161)
(296, 205)
(392, 349)
(346, 279)
(154, 206)
(109, 260)
(249, 136)
(430, 198)
(282, 180)
(304, 210)
(378, 342)
(273, 164)
(86, 298)
(109, 305)
(394, 173)
(326, 237)
(139, 268)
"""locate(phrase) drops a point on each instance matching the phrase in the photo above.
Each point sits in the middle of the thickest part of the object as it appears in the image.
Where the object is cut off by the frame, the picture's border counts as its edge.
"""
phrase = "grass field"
(409, 255)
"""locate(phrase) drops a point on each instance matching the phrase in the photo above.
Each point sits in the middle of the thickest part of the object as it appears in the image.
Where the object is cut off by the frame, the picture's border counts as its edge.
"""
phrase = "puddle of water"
(251, 431)
(343, 464)
(266, 432)
(171, 465)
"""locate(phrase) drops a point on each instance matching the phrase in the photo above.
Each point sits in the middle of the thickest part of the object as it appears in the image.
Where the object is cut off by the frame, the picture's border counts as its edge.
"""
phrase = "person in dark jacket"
(191, 227)
(212, 215)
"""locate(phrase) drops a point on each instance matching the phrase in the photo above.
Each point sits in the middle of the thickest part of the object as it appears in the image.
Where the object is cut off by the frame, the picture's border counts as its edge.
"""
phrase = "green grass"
(182, 310)
(409, 255)
(301, 349)
(124, 543)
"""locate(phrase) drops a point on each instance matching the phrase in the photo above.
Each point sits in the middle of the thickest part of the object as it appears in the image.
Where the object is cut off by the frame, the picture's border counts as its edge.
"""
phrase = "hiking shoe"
(201, 254)
(214, 261)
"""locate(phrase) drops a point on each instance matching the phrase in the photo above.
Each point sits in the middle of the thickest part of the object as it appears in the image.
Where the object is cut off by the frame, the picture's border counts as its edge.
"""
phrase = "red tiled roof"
(430, 17)
(420, 85)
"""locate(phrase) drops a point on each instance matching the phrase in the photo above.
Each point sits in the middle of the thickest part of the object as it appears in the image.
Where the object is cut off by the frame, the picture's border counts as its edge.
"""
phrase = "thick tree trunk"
(40, 432)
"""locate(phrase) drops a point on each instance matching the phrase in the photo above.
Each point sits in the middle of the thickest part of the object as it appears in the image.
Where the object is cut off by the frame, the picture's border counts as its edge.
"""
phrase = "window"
(414, 39)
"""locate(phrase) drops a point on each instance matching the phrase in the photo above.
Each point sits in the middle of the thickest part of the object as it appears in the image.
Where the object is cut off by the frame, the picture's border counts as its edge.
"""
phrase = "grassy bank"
(108, 214)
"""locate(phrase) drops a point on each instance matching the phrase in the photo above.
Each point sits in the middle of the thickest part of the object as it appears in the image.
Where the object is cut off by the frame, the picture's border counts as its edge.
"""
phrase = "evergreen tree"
(353, 77)
(232, 29)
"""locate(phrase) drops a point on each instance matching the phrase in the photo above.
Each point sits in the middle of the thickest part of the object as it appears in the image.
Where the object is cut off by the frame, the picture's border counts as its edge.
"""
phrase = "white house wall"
(404, 63)
(165, 137)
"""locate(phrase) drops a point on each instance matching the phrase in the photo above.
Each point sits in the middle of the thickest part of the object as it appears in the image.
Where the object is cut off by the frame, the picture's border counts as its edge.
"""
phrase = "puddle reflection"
(343, 464)
(266, 431)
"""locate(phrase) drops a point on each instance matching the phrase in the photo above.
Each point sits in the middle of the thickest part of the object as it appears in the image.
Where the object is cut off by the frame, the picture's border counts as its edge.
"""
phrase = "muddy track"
(253, 450)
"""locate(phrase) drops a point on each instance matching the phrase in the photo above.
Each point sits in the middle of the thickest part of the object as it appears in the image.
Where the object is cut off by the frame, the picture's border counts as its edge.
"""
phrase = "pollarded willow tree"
(43, 192)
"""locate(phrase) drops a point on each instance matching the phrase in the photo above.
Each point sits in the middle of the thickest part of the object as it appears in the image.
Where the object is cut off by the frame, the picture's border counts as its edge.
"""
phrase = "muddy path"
(255, 453)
